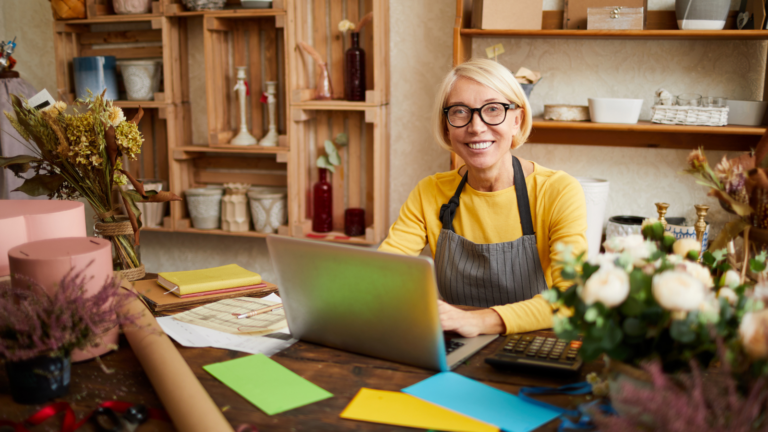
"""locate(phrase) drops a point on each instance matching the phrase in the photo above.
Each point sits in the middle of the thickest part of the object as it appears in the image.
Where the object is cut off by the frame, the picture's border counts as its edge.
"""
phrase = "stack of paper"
(222, 279)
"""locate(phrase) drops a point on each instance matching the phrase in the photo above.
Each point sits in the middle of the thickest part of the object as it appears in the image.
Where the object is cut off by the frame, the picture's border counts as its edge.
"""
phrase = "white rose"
(639, 252)
(732, 278)
(683, 246)
(760, 292)
(633, 241)
(754, 334)
(678, 291)
(604, 260)
(614, 244)
(728, 294)
(699, 272)
(609, 286)
(674, 259)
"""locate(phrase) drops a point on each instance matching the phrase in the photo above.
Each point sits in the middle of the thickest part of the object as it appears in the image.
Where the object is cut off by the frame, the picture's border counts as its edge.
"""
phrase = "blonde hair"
(492, 75)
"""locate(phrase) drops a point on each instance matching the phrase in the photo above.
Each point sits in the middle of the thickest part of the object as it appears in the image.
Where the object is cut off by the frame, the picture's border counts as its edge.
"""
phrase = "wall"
(421, 52)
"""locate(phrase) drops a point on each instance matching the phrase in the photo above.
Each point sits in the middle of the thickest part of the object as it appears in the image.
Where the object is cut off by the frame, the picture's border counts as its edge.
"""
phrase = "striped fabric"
(487, 275)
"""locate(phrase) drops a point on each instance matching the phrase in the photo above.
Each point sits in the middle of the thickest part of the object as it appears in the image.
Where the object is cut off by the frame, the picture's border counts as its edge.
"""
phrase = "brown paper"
(507, 14)
(188, 404)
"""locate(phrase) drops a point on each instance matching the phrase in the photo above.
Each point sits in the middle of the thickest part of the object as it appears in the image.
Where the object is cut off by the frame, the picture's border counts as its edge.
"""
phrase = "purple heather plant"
(34, 323)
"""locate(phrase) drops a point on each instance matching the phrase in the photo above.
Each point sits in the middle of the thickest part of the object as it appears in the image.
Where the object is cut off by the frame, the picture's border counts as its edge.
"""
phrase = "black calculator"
(536, 351)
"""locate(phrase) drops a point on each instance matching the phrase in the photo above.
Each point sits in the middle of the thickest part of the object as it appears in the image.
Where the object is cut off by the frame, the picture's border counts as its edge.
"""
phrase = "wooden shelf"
(107, 19)
(234, 149)
(142, 104)
(646, 134)
(229, 13)
(158, 229)
(222, 232)
(623, 34)
(334, 105)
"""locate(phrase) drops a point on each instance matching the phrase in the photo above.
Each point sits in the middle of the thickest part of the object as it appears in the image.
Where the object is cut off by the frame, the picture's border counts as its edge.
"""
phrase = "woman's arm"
(408, 235)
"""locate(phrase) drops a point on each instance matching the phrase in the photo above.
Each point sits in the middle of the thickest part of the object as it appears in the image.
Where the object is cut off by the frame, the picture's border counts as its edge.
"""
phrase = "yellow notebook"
(204, 280)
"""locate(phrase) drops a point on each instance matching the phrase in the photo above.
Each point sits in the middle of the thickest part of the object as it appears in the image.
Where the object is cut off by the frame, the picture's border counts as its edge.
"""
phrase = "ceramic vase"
(197, 5)
(130, 7)
(95, 74)
(268, 208)
(38, 380)
(270, 139)
(204, 207)
(681, 231)
(234, 208)
(243, 136)
(701, 14)
(141, 78)
(596, 196)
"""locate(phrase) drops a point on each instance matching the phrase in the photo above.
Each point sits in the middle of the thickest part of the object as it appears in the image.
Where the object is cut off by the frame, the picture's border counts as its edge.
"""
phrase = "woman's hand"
(469, 323)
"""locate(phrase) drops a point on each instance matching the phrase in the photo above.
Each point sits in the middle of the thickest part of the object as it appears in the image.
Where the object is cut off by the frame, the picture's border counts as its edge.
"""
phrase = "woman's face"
(480, 145)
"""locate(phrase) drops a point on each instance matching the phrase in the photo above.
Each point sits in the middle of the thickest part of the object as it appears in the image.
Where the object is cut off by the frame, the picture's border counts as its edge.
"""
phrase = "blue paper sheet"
(481, 402)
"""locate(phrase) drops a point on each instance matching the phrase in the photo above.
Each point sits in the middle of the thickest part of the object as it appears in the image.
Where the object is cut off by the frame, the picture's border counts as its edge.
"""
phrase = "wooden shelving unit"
(661, 25)
(363, 183)
(263, 40)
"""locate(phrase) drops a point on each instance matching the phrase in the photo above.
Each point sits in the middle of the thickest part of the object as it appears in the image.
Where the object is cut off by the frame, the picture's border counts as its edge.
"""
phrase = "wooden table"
(339, 372)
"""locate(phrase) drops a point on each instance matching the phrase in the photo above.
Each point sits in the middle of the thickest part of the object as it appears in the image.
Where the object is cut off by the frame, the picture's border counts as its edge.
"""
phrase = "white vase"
(141, 78)
(130, 7)
(234, 212)
(204, 207)
(268, 208)
(701, 14)
(596, 196)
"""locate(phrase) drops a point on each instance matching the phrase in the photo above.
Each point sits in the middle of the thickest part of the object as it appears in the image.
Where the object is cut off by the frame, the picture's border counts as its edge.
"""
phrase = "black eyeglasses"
(492, 114)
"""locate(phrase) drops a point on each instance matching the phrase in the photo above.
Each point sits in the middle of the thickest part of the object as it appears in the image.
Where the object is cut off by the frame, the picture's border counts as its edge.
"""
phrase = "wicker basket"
(68, 9)
(689, 115)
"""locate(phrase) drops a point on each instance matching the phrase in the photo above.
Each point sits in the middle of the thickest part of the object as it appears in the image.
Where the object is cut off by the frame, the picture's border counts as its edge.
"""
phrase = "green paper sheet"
(266, 383)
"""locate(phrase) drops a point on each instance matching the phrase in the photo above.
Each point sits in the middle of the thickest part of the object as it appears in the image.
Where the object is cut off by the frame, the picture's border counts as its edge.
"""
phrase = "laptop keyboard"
(452, 345)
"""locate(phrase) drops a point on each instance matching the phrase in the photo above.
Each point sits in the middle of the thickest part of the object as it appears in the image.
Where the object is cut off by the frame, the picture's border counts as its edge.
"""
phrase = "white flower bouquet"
(648, 298)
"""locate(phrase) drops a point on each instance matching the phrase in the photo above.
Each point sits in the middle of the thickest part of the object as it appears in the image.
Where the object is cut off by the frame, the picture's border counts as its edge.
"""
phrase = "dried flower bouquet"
(80, 154)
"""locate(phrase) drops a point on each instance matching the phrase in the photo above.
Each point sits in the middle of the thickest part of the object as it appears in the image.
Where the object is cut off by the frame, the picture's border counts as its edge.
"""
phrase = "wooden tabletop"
(339, 372)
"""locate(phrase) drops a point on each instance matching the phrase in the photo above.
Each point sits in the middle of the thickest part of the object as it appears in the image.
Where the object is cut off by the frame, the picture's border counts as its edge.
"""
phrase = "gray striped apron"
(487, 275)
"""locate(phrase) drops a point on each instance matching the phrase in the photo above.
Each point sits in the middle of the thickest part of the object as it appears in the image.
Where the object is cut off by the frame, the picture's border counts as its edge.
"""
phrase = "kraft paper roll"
(23, 221)
(188, 404)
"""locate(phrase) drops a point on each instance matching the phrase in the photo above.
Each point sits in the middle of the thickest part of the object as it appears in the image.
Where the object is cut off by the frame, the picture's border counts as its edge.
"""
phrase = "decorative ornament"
(241, 87)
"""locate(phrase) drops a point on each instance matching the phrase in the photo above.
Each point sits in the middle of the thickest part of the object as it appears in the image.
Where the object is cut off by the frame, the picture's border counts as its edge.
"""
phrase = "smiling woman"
(492, 224)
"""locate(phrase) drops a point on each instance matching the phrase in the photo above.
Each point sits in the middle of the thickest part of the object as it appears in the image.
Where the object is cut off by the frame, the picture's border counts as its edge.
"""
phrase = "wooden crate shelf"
(334, 105)
(232, 9)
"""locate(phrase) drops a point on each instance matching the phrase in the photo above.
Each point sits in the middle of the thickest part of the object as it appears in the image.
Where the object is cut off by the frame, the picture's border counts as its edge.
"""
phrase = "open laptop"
(369, 302)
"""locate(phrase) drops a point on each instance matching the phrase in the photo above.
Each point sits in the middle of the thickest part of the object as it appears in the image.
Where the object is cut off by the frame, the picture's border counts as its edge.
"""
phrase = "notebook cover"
(211, 279)
(158, 301)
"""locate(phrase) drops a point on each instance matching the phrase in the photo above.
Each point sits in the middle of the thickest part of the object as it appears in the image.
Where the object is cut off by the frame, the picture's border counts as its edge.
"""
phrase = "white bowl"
(747, 113)
(610, 110)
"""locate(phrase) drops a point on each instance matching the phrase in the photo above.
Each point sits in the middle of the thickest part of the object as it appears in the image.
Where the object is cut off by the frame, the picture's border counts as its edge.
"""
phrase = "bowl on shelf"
(256, 4)
(746, 113)
(197, 5)
(614, 110)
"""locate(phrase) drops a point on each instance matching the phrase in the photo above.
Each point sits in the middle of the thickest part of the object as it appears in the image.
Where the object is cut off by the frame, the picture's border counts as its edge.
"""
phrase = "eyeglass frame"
(507, 106)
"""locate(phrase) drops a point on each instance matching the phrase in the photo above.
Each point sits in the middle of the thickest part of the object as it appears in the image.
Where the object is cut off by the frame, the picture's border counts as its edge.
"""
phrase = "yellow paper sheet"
(395, 408)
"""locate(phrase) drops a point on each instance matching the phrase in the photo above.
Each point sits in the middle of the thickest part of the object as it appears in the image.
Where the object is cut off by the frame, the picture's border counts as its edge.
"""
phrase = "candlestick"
(270, 139)
(661, 208)
(243, 137)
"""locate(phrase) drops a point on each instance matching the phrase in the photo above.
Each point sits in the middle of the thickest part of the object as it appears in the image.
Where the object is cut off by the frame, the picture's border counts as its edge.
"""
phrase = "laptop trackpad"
(464, 348)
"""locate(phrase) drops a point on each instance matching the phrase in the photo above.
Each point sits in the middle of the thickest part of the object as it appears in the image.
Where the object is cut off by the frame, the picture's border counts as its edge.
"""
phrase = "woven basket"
(68, 9)
(689, 115)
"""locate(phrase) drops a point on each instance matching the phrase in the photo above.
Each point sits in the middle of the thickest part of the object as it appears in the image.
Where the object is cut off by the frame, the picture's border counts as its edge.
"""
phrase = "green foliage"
(331, 159)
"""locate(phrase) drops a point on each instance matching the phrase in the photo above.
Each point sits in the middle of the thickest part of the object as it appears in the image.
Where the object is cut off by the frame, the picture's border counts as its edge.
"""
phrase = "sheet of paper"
(266, 383)
(190, 335)
(401, 409)
(222, 316)
(479, 401)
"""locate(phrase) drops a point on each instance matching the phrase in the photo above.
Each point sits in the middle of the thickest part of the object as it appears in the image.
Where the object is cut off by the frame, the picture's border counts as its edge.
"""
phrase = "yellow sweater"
(559, 215)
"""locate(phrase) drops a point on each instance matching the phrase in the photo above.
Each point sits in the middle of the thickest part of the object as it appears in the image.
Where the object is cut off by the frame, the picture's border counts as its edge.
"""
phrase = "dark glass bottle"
(354, 71)
(322, 216)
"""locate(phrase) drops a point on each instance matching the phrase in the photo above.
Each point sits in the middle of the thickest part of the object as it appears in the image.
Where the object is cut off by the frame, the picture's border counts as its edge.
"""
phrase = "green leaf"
(667, 241)
(334, 158)
(342, 139)
(708, 259)
(130, 198)
(756, 266)
(639, 284)
(632, 307)
(18, 164)
(613, 336)
(568, 273)
(591, 314)
(41, 184)
(551, 295)
(587, 270)
(322, 162)
(329, 147)
(682, 331)
(634, 327)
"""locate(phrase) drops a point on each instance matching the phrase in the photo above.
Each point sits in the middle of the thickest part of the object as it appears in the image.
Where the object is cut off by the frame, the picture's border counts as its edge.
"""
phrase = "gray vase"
(701, 14)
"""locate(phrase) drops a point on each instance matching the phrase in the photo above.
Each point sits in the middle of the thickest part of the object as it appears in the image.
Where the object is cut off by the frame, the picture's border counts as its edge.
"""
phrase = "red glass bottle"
(354, 71)
(322, 216)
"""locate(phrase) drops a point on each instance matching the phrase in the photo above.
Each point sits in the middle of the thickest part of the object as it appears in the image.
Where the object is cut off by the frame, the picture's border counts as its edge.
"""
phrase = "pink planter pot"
(132, 7)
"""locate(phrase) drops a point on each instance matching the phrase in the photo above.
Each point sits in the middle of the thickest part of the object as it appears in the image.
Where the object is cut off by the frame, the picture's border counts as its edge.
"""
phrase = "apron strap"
(523, 205)
(448, 211)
